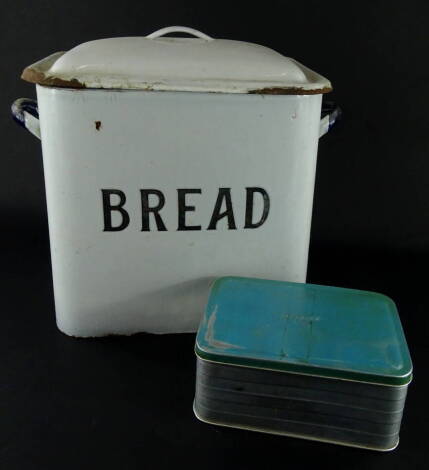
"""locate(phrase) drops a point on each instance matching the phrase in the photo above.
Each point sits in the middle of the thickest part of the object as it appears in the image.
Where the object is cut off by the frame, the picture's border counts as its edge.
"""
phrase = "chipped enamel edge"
(39, 73)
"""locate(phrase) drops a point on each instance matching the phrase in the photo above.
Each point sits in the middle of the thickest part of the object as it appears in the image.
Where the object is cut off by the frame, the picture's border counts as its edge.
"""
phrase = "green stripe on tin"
(305, 328)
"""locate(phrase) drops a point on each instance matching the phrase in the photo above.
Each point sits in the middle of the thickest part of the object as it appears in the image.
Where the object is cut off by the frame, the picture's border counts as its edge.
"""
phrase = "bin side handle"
(331, 113)
(26, 113)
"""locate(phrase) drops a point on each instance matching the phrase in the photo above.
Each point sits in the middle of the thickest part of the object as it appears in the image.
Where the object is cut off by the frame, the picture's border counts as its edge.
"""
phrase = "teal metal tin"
(312, 361)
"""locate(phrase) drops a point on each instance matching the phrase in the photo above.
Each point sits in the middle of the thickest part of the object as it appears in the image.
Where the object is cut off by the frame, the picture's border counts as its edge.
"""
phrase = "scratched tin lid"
(199, 64)
(304, 328)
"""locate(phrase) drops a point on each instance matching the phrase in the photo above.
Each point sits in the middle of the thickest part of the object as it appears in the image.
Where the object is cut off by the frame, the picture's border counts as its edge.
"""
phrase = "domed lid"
(199, 64)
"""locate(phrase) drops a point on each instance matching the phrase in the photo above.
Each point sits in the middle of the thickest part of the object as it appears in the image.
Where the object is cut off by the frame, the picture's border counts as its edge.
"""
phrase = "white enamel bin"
(170, 162)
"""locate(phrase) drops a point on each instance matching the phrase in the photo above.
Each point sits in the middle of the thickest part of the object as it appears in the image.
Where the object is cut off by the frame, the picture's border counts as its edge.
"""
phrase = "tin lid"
(200, 64)
(303, 328)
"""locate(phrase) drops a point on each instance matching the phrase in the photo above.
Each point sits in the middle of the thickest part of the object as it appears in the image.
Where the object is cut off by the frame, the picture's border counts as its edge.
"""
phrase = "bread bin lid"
(197, 64)
(304, 328)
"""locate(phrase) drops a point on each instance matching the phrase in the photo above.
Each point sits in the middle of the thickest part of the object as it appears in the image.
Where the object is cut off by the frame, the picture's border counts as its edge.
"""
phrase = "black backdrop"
(125, 401)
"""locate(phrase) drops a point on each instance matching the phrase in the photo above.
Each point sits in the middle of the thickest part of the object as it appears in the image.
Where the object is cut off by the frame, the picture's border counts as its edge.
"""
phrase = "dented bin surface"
(170, 162)
(317, 362)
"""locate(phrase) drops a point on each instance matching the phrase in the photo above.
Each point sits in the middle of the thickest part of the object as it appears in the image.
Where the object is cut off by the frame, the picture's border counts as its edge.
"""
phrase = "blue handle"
(25, 112)
(334, 112)
(331, 113)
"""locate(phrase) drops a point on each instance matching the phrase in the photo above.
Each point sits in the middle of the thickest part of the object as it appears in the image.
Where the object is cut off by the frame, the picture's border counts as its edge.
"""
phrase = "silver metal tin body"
(330, 410)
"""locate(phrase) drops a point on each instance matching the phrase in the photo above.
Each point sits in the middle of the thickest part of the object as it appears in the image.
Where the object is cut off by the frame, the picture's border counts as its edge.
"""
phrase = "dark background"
(127, 402)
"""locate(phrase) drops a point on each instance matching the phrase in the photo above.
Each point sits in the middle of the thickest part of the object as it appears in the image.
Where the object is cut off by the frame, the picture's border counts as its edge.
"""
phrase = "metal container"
(170, 162)
(309, 361)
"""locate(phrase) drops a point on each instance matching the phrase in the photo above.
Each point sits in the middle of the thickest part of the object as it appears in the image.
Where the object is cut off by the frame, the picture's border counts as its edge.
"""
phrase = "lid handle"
(179, 29)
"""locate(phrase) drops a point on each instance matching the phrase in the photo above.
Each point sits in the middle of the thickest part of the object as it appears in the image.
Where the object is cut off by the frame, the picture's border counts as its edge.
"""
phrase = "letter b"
(108, 208)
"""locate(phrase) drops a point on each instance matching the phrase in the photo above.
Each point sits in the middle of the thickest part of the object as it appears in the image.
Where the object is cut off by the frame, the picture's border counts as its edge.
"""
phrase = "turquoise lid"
(304, 328)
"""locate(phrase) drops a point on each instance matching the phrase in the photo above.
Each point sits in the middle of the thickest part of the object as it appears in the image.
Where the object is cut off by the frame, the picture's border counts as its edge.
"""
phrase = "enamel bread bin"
(170, 162)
